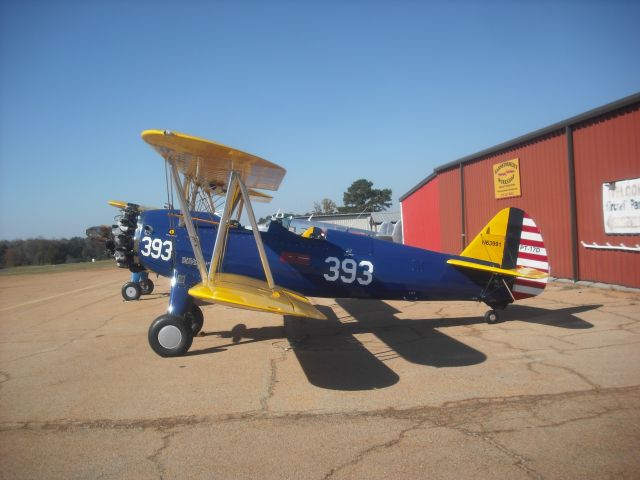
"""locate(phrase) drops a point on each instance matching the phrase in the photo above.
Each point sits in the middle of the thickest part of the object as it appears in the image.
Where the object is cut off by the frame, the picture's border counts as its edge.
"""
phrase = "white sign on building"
(621, 207)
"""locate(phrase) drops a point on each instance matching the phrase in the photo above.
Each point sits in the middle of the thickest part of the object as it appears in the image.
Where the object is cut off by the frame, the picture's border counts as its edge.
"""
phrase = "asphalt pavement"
(380, 390)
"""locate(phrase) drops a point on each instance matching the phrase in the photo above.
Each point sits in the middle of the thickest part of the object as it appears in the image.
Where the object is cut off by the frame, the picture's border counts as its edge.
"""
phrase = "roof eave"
(556, 127)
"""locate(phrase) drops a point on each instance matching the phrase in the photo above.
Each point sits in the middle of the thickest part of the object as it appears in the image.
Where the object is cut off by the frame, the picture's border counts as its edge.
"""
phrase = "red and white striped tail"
(531, 253)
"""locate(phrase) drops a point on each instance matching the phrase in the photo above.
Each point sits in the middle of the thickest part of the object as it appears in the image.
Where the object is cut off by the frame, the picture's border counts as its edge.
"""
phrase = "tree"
(361, 197)
(40, 251)
(325, 207)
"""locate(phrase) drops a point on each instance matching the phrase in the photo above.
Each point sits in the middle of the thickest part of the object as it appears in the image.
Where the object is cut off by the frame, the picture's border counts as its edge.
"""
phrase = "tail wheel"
(170, 336)
(195, 319)
(131, 291)
(491, 317)
(146, 286)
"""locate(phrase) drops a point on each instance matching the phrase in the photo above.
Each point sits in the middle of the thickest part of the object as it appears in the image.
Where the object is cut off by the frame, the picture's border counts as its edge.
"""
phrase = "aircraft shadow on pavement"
(333, 358)
(153, 296)
(563, 317)
(240, 335)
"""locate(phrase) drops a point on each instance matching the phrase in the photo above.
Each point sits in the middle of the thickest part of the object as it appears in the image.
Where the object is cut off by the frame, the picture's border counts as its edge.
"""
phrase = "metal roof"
(379, 217)
(591, 114)
(330, 216)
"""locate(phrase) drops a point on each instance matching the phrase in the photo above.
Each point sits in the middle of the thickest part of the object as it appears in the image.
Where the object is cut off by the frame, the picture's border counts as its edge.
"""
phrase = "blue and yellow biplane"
(215, 260)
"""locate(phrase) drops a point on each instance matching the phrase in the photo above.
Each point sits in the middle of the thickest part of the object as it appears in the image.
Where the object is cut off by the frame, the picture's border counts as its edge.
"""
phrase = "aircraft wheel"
(146, 286)
(491, 317)
(195, 319)
(131, 291)
(170, 336)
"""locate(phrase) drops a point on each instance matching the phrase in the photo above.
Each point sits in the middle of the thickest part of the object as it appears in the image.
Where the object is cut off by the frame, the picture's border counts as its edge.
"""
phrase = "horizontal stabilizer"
(522, 272)
(245, 292)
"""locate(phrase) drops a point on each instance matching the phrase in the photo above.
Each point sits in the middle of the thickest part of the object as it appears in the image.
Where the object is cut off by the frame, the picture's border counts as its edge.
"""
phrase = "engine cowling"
(122, 242)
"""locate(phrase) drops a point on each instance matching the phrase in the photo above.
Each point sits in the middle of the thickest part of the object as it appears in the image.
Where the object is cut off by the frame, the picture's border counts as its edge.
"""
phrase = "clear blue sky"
(331, 90)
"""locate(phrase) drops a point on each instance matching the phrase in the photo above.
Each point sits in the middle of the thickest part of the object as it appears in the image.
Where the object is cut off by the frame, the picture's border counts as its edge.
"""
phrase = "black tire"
(491, 317)
(131, 291)
(169, 336)
(146, 286)
(195, 319)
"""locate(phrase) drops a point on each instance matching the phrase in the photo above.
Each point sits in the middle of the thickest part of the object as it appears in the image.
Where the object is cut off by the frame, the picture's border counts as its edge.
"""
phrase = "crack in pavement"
(530, 366)
(521, 461)
(5, 377)
(66, 313)
(68, 341)
(154, 458)
(52, 297)
(453, 413)
(382, 446)
(481, 418)
(273, 380)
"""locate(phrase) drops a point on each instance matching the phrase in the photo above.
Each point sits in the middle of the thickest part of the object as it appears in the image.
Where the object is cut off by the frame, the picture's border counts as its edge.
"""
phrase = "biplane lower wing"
(249, 293)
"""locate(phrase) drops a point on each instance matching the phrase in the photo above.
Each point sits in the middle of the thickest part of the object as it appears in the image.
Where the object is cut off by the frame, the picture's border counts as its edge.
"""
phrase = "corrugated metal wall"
(606, 150)
(422, 212)
(450, 211)
(545, 197)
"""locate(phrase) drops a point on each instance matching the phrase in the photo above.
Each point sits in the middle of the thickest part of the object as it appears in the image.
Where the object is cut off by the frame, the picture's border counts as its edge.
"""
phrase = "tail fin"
(531, 253)
(512, 241)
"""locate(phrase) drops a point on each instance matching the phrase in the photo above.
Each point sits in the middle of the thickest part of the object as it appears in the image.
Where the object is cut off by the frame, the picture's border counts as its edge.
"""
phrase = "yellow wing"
(258, 196)
(209, 163)
(248, 293)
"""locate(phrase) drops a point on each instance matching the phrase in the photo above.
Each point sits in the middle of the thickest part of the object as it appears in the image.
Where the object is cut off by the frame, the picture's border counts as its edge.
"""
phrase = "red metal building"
(579, 180)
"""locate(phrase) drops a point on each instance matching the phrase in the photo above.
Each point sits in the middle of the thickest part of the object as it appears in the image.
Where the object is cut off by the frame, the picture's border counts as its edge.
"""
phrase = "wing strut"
(237, 196)
(188, 221)
(256, 232)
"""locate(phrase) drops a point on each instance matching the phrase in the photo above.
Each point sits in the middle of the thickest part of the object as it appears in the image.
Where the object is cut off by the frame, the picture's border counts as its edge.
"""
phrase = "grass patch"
(65, 267)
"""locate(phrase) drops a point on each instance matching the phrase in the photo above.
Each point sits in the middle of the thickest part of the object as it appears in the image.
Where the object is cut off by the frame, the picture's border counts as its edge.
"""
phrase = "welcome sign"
(621, 207)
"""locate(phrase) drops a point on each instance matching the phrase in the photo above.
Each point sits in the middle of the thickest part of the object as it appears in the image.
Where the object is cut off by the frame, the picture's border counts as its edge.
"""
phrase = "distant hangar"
(579, 179)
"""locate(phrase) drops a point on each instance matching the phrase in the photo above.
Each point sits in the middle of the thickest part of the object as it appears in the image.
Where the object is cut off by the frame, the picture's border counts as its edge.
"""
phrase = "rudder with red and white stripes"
(531, 253)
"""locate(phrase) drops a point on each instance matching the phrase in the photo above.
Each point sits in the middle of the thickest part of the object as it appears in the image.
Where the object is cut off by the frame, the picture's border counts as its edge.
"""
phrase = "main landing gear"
(172, 335)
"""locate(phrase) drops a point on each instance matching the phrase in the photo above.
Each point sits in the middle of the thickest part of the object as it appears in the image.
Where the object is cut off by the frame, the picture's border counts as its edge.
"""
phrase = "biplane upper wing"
(213, 165)
(210, 163)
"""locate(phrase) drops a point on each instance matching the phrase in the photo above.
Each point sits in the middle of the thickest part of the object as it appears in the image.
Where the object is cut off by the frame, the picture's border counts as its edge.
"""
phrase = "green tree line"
(40, 251)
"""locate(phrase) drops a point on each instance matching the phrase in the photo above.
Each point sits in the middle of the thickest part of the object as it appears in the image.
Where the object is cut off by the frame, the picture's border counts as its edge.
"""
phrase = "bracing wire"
(172, 226)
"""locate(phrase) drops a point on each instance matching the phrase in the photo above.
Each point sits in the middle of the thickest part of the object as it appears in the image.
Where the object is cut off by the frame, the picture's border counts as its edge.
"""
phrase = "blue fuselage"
(339, 265)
